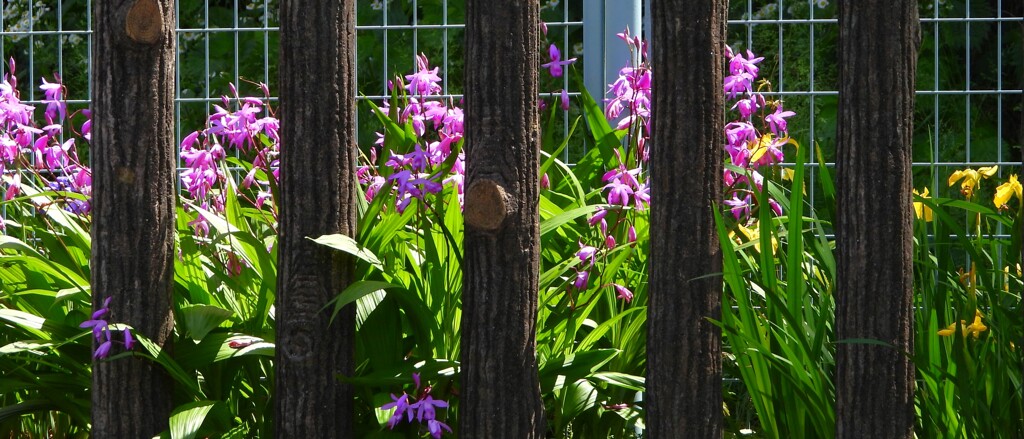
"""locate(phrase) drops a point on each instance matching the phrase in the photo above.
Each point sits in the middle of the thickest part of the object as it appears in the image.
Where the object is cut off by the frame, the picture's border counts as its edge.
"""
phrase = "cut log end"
(145, 22)
(487, 205)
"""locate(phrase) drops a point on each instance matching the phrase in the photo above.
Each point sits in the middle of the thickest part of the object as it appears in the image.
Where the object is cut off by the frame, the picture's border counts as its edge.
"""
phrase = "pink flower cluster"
(100, 328)
(627, 186)
(747, 147)
(631, 95)
(438, 126)
(422, 408)
(24, 146)
(556, 67)
(247, 130)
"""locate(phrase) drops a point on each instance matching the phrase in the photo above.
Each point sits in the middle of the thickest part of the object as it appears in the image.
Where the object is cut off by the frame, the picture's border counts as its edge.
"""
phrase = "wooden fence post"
(133, 205)
(684, 364)
(878, 44)
(318, 197)
(500, 390)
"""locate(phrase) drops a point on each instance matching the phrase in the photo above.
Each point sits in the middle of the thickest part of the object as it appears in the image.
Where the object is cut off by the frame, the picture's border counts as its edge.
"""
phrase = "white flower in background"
(577, 49)
(766, 12)
(18, 18)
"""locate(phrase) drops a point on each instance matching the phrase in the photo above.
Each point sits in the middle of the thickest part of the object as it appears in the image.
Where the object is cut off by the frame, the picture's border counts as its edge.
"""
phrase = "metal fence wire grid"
(968, 86)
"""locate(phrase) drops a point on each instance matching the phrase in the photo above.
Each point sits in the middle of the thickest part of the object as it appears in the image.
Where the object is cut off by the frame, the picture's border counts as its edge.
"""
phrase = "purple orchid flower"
(777, 120)
(555, 66)
(586, 253)
(623, 293)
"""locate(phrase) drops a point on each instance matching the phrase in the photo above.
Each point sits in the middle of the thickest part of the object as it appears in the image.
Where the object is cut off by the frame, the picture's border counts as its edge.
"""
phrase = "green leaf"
(795, 245)
(38, 261)
(604, 134)
(24, 346)
(199, 320)
(577, 397)
(827, 185)
(216, 347)
(244, 244)
(356, 291)
(69, 293)
(554, 154)
(597, 333)
(396, 137)
(574, 366)
(39, 327)
(348, 245)
(14, 411)
(188, 418)
(401, 374)
(626, 381)
(156, 353)
(561, 219)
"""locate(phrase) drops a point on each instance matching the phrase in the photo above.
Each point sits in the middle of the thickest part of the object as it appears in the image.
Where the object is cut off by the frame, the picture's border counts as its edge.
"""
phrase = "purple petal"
(554, 53)
(435, 426)
(129, 342)
(103, 350)
(92, 323)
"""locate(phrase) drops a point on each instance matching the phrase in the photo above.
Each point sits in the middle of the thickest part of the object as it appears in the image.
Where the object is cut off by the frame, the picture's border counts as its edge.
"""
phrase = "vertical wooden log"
(684, 364)
(878, 44)
(501, 394)
(1020, 140)
(133, 205)
(318, 197)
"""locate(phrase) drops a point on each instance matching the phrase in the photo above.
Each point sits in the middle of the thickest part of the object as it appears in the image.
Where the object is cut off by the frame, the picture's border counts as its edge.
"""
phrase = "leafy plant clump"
(778, 270)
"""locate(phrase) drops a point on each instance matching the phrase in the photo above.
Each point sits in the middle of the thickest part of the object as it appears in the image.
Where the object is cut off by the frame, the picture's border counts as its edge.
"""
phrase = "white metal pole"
(603, 53)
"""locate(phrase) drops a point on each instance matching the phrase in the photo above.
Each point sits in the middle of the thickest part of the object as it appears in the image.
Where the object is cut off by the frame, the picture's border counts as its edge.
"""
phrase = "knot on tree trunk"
(145, 22)
(487, 205)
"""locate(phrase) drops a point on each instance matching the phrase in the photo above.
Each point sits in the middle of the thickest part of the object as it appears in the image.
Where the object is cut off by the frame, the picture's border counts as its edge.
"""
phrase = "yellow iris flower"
(920, 210)
(975, 328)
(753, 234)
(970, 178)
(951, 329)
(758, 148)
(1006, 190)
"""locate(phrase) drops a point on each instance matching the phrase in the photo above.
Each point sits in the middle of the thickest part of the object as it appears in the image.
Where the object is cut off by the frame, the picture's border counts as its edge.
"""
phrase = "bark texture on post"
(318, 197)
(133, 205)
(500, 389)
(878, 44)
(684, 364)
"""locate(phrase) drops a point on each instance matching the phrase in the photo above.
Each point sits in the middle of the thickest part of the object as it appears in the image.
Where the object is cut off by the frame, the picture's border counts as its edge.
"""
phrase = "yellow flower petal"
(759, 147)
(753, 234)
(1003, 194)
(988, 171)
(948, 331)
(977, 327)
(955, 177)
(1006, 190)
(971, 178)
(920, 210)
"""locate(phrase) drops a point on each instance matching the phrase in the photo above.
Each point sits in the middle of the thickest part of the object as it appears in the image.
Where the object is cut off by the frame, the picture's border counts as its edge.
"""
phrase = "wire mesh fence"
(969, 79)
(969, 82)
